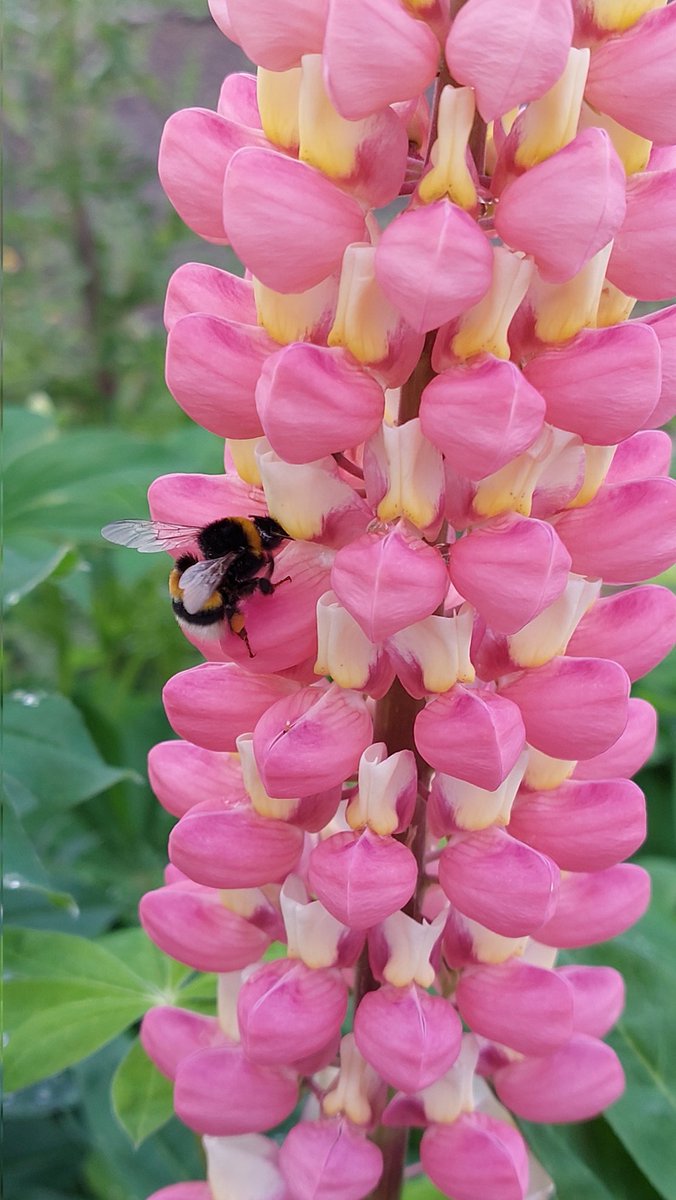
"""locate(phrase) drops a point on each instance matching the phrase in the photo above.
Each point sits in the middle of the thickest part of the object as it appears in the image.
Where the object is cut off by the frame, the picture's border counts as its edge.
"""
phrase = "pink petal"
(237, 98)
(663, 324)
(169, 1035)
(596, 907)
(637, 628)
(471, 734)
(512, 413)
(286, 1011)
(598, 997)
(184, 1191)
(476, 1158)
(510, 569)
(311, 741)
(212, 369)
(198, 288)
(509, 55)
(632, 749)
(362, 878)
(233, 848)
(572, 707)
(181, 775)
(389, 582)
(573, 1084)
(286, 221)
(199, 499)
(409, 1037)
(196, 147)
(626, 534)
(375, 53)
(496, 880)
(631, 78)
(645, 455)
(221, 16)
(565, 209)
(603, 385)
(274, 36)
(582, 826)
(517, 1004)
(410, 260)
(260, 1096)
(192, 924)
(213, 703)
(643, 261)
(313, 401)
(329, 1160)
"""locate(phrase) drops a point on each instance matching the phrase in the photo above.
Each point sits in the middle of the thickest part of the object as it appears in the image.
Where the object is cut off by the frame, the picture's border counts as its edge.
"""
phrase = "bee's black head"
(271, 531)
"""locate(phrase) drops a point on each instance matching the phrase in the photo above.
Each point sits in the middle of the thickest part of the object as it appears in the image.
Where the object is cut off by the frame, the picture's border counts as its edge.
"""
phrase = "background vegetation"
(89, 245)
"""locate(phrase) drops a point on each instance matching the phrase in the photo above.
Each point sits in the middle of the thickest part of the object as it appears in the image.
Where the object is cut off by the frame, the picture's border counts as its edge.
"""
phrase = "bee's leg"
(236, 622)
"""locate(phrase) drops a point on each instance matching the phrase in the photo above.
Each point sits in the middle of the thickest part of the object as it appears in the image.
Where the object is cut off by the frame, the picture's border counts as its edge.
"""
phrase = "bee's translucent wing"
(149, 537)
(200, 581)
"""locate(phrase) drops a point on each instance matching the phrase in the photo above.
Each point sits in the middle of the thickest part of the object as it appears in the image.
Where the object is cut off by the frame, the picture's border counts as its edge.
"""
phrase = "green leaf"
(27, 562)
(49, 750)
(45, 958)
(142, 1097)
(21, 865)
(421, 1188)
(587, 1162)
(62, 1034)
(162, 974)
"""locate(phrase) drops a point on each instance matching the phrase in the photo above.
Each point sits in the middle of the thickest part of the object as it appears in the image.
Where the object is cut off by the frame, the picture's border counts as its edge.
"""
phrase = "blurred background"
(89, 244)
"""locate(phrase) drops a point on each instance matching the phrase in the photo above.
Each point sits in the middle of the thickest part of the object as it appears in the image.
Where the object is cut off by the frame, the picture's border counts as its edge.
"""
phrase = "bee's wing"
(148, 537)
(201, 580)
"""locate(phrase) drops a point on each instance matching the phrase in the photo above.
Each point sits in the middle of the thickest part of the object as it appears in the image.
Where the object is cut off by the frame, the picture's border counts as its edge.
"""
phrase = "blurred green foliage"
(89, 244)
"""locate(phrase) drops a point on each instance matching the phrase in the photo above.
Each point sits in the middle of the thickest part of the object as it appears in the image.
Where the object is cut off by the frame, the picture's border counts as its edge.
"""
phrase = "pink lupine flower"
(416, 774)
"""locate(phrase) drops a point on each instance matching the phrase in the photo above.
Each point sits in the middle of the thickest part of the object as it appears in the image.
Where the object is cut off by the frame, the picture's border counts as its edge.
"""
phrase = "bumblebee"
(236, 562)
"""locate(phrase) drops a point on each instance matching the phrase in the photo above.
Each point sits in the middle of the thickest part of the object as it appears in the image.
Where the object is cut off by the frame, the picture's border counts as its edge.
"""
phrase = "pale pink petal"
(170, 1034)
(244, 1166)
(329, 1160)
(572, 1084)
(663, 325)
(237, 98)
(603, 385)
(631, 750)
(510, 569)
(572, 708)
(233, 847)
(198, 288)
(626, 534)
(565, 209)
(509, 55)
(476, 1158)
(645, 455)
(501, 883)
(636, 627)
(213, 703)
(199, 499)
(221, 16)
(311, 740)
(582, 826)
(598, 997)
(424, 1029)
(260, 1096)
(527, 1008)
(192, 924)
(471, 734)
(182, 774)
(286, 1011)
(388, 582)
(313, 401)
(376, 53)
(362, 878)
(276, 36)
(196, 147)
(184, 1191)
(595, 907)
(411, 260)
(511, 411)
(287, 222)
(632, 77)
(643, 261)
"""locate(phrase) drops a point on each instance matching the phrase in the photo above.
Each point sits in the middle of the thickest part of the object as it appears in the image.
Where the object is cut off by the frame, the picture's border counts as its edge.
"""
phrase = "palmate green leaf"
(164, 974)
(49, 750)
(21, 864)
(421, 1188)
(142, 1097)
(47, 957)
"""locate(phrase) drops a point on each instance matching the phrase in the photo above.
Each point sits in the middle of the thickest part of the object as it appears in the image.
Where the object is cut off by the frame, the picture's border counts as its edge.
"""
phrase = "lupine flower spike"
(406, 756)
